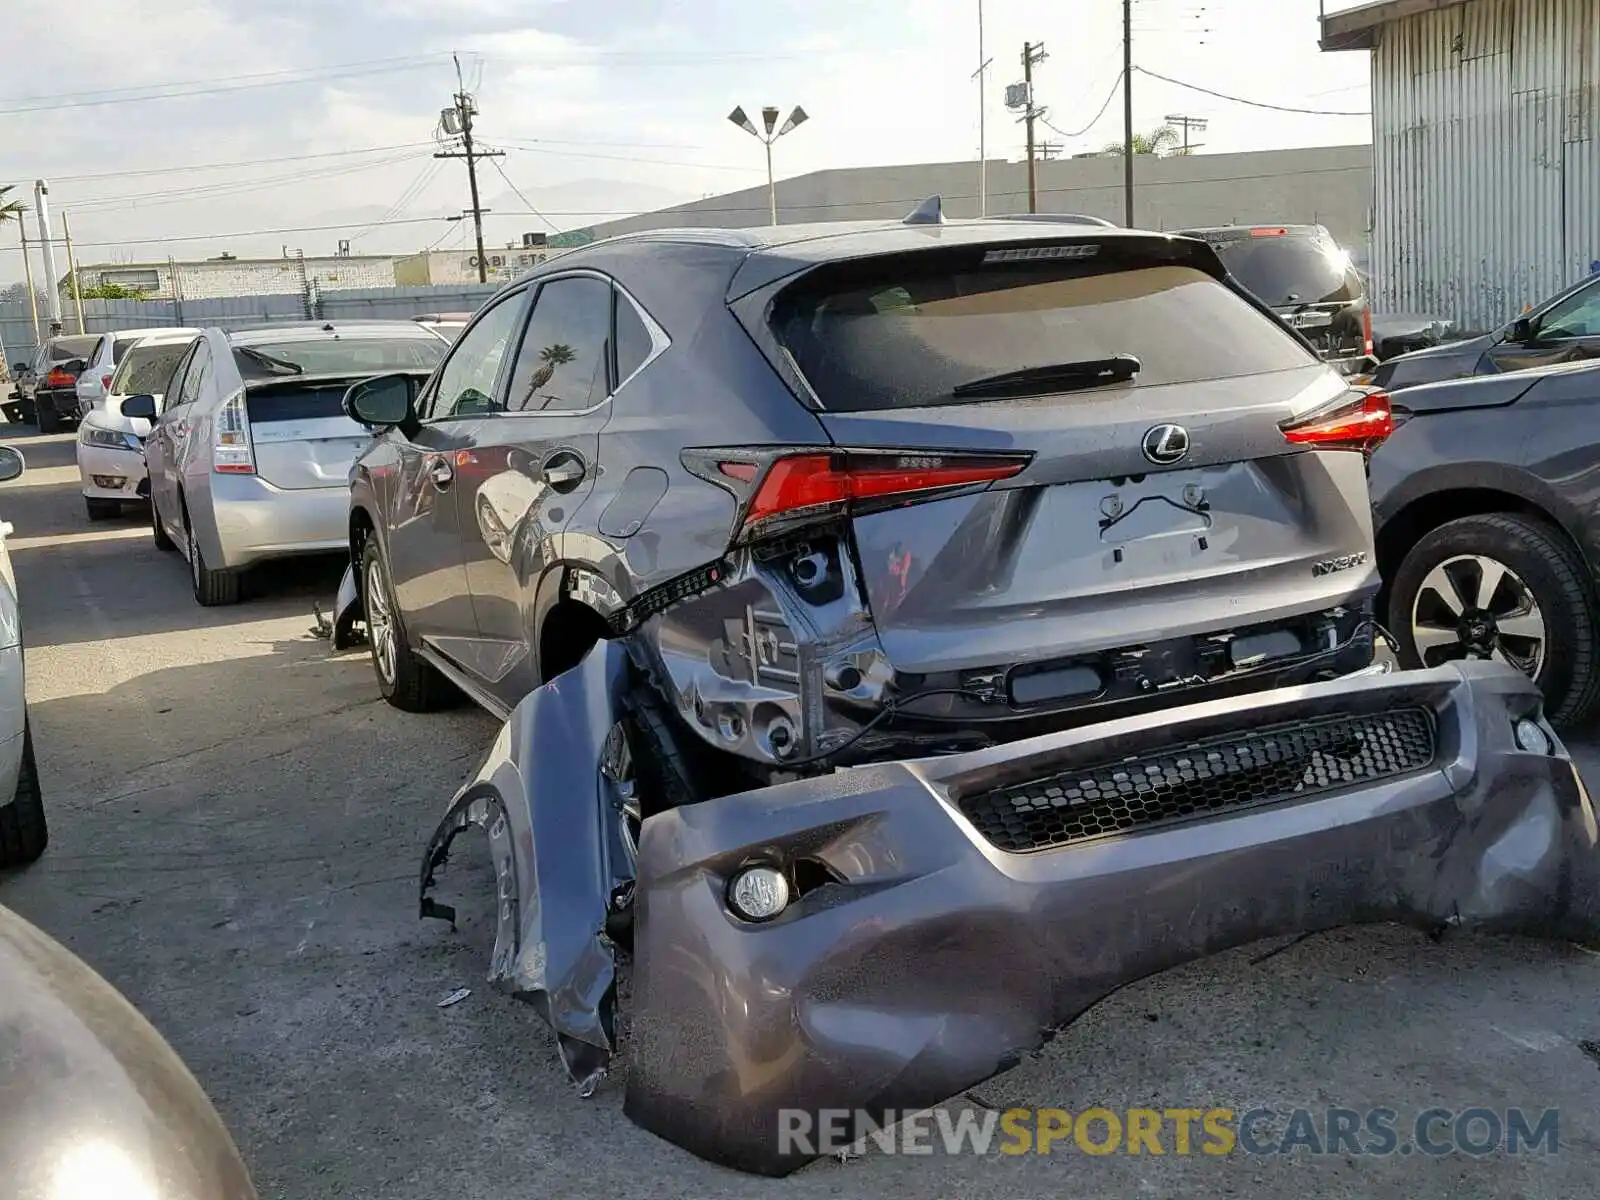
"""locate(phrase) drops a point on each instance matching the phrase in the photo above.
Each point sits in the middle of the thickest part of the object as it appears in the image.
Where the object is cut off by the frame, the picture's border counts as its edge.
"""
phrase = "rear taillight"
(779, 488)
(231, 452)
(59, 378)
(105, 381)
(1361, 423)
(1366, 332)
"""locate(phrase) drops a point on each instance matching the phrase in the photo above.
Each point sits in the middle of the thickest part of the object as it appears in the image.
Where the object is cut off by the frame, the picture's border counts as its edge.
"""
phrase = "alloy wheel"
(380, 621)
(1474, 606)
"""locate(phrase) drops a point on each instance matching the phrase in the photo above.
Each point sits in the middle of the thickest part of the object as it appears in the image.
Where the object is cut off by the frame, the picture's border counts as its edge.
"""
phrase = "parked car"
(1564, 328)
(1307, 279)
(248, 459)
(446, 325)
(541, 479)
(733, 524)
(93, 1101)
(51, 392)
(1485, 502)
(18, 407)
(95, 380)
(23, 833)
(110, 445)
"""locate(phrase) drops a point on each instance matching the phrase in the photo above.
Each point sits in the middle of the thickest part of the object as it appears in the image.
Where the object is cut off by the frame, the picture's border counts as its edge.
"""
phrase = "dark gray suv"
(1020, 473)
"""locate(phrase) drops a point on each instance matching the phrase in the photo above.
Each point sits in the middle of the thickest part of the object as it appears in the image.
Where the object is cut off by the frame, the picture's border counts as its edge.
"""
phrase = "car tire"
(158, 530)
(49, 419)
(102, 510)
(212, 589)
(404, 679)
(1540, 616)
(23, 832)
(13, 413)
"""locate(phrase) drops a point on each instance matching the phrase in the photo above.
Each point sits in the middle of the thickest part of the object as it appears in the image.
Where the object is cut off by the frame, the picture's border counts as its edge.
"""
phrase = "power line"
(1110, 96)
(495, 163)
(235, 84)
(236, 186)
(1195, 87)
(412, 192)
(223, 166)
(628, 158)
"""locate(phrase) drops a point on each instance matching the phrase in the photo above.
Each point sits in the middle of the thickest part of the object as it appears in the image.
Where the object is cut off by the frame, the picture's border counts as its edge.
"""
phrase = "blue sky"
(602, 105)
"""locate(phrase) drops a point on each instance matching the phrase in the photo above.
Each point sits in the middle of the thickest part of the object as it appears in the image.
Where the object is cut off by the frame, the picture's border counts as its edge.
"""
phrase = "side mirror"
(12, 463)
(384, 402)
(139, 406)
(1523, 330)
(17, 368)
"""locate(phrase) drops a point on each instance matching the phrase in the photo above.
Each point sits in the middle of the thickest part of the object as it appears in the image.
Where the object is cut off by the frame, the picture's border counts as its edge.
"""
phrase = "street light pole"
(769, 119)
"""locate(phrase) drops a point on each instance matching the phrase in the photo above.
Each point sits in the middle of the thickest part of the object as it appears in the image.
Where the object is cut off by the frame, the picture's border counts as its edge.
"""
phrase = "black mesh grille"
(1269, 765)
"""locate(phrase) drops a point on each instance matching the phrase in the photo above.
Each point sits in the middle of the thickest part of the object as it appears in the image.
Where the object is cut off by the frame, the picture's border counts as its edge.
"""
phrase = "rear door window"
(905, 331)
(120, 348)
(72, 347)
(562, 363)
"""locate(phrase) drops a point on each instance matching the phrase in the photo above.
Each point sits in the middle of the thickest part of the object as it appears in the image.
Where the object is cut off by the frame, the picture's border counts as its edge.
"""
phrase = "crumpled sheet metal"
(347, 610)
(937, 961)
(561, 856)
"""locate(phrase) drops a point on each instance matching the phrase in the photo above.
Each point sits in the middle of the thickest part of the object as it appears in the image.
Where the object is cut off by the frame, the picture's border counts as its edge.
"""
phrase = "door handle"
(441, 472)
(563, 472)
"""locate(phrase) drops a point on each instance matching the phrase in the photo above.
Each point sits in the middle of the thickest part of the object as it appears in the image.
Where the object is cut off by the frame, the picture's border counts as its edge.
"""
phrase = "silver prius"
(250, 457)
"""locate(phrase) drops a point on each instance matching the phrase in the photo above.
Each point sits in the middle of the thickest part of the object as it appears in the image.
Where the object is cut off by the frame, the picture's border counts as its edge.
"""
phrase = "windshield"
(147, 370)
(908, 331)
(341, 356)
(1289, 269)
(72, 347)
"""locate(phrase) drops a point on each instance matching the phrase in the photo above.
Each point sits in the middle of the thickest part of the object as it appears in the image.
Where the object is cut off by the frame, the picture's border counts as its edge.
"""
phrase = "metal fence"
(239, 312)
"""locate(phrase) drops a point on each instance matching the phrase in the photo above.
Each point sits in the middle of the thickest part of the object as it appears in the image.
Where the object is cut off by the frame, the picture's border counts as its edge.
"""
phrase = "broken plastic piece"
(455, 997)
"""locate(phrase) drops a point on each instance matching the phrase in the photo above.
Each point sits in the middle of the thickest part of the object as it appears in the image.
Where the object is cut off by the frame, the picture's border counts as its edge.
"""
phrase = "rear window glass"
(72, 347)
(120, 347)
(1289, 269)
(147, 370)
(338, 356)
(904, 331)
(289, 402)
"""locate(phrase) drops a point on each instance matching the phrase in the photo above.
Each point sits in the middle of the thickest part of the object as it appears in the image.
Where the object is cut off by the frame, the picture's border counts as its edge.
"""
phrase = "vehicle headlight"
(110, 439)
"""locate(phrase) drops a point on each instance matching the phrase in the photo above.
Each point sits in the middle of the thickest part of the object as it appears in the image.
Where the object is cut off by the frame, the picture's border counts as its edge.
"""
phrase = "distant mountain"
(587, 201)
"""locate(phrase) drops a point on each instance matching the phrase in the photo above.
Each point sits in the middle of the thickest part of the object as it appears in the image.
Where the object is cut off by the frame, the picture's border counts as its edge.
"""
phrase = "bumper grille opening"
(1196, 779)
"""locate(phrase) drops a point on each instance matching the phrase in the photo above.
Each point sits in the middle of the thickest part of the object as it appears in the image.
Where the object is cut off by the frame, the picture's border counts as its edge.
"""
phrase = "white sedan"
(110, 445)
(22, 827)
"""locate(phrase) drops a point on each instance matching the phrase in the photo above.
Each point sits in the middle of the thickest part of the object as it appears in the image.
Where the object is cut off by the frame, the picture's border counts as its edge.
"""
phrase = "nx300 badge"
(1343, 563)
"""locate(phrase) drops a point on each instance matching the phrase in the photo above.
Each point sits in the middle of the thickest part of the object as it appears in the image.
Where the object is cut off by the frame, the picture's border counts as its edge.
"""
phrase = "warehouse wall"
(1487, 156)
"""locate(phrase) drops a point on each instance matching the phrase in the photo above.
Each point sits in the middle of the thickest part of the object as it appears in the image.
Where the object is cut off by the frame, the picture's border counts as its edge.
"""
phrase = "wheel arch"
(571, 604)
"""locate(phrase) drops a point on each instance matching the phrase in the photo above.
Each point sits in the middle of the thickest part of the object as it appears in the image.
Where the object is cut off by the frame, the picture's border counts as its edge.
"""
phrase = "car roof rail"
(1058, 218)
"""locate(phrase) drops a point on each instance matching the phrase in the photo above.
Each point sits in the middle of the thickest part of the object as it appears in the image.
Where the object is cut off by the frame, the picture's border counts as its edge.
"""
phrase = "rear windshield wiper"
(1053, 377)
(278, 366)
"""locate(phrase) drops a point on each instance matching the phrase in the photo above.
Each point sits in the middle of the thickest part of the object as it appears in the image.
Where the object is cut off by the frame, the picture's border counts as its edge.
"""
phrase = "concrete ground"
(236, 823)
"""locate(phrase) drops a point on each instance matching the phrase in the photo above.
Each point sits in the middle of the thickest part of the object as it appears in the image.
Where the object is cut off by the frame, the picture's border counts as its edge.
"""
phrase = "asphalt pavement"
(236, 825)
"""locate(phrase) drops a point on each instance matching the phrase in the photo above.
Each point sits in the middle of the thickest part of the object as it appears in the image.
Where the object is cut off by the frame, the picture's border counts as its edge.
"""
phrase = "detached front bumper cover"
(918, 958)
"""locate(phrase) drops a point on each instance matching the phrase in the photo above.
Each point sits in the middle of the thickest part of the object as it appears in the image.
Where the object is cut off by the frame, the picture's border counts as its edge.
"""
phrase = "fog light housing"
(113, 482)
(758, 893)
(1532, 737)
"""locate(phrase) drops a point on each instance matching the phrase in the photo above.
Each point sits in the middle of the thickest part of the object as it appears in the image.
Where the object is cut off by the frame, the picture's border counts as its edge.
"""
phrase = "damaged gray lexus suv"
(908, 633)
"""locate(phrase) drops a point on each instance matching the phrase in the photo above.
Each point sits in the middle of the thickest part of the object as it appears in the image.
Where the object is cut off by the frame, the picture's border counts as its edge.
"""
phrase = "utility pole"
(1188, 124)
(1127, 112)
(27, 273)
(458, 122)
(981, 75)
(72, 271)
(41, 206)
(1032, 52)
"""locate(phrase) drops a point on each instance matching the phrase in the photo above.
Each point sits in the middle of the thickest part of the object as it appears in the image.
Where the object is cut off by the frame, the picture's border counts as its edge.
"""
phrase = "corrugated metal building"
(1486, 148)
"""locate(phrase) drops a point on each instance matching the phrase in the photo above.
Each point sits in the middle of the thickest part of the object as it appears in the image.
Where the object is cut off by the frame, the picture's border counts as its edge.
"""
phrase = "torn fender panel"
(562, 854)
(934, 960)
(347, 610)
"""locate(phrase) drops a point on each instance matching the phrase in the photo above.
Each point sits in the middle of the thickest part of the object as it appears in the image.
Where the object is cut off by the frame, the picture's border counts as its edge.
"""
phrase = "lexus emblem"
(1166, 444)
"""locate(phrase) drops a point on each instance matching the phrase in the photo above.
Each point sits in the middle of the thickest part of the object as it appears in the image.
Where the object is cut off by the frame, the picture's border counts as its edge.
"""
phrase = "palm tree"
(10, 210)
(1163, 139)
(552, 357)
